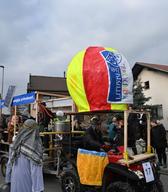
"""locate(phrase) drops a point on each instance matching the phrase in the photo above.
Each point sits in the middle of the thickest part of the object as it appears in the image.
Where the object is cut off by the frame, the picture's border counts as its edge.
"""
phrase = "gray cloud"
(41, 37)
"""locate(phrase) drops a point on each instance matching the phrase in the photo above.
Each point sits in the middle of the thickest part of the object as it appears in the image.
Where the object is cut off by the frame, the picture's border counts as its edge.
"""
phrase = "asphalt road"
(52, 184)
(164, 179)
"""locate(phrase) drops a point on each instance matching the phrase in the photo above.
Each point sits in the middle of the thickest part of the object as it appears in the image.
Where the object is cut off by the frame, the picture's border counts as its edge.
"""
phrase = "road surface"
(52, 184)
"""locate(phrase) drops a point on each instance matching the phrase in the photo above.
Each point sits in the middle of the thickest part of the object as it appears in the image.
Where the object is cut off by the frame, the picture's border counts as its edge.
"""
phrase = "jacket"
(158, 137)
(93, 139)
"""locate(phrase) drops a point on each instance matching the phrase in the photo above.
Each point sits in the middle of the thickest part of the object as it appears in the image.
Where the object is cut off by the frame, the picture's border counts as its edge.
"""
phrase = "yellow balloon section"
(75, 82)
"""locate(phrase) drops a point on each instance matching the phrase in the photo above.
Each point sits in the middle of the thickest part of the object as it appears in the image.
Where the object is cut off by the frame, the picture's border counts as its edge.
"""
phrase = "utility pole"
(2, 87)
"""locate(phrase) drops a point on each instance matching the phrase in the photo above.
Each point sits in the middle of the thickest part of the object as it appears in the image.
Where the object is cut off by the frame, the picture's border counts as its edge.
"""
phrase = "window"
(146, 85)
(157, 111)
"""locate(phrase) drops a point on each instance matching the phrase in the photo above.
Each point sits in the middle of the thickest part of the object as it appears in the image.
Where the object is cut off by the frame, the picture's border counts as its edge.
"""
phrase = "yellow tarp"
(90, 165)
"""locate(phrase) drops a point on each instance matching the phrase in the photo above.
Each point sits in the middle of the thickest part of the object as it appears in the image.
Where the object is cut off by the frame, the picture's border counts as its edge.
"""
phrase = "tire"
(70, 181)
(3, 165)
(120, 187)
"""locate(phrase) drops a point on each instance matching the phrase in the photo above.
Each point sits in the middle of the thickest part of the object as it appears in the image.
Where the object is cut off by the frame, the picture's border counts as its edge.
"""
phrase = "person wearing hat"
(93, 139)
(24, 167)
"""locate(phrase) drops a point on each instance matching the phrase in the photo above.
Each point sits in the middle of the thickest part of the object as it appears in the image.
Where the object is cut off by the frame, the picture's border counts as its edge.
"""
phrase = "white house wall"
(158, 91)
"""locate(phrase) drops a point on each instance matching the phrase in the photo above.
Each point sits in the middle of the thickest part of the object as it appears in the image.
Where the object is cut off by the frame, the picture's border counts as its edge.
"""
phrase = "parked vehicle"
(3, 156)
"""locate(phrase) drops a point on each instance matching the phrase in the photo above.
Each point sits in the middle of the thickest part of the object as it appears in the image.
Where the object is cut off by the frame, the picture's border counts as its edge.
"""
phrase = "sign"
(148, 172)
(23, 99)
(9, 95)
(2, 104)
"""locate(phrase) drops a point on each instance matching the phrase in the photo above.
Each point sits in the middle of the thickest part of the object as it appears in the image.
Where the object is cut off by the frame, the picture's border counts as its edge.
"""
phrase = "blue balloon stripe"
(115, 77)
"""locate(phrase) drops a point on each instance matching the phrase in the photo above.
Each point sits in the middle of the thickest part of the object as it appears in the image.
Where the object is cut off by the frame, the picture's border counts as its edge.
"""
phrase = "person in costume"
(24, 167)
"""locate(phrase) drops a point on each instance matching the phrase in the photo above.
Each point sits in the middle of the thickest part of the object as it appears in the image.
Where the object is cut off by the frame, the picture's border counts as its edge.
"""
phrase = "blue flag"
(2, 104)
(24, 99)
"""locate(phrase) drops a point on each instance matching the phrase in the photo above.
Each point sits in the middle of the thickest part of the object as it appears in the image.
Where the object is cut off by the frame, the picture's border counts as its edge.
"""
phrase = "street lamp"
(1, 66)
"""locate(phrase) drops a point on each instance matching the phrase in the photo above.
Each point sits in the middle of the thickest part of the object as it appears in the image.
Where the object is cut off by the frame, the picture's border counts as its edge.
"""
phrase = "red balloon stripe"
(95, 84)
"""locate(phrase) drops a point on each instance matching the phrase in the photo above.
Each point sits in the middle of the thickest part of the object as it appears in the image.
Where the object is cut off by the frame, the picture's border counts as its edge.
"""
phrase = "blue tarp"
(2, 104)
(24, 99)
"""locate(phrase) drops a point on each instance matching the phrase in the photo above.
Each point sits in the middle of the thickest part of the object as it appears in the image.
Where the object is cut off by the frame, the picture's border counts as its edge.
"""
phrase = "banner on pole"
(2, 104)
(23, 99)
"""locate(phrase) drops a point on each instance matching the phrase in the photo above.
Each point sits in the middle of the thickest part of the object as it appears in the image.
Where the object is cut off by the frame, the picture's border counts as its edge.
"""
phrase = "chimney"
(64, 74)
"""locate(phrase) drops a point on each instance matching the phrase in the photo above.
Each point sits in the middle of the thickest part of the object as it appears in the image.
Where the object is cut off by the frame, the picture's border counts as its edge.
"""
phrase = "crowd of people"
(137, 135)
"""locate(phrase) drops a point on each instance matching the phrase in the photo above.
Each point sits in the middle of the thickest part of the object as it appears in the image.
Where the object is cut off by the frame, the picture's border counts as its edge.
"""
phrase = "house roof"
(47, 84)
(138, 67)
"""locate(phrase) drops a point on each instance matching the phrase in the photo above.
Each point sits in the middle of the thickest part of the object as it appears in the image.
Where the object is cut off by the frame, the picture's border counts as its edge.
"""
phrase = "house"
(52, 90)
(155, 80)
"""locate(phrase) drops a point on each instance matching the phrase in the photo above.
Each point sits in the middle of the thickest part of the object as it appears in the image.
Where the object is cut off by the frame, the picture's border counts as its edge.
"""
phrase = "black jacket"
(158, 137)
(93, 139)
(133, 132)
(119, 139)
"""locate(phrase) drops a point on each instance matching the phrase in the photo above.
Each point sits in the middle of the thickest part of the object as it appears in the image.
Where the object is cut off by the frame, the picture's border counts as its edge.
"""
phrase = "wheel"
(156, 187)
(120, 187)
(70, 181)
(3, 166)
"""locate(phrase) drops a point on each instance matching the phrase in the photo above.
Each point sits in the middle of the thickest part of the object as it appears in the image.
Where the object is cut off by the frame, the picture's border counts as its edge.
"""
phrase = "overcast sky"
(41, 36)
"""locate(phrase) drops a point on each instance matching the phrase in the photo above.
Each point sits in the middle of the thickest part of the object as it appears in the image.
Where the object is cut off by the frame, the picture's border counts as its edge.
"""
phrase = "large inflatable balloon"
(100, 78)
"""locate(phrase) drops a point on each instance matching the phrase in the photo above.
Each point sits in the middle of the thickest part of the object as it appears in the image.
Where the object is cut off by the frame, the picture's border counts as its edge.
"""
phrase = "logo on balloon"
(112, 58)
(118, 79)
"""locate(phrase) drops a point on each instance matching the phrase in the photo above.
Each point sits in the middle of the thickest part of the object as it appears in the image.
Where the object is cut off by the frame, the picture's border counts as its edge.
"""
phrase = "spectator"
(24, 168)
(112, 129)
(159, 142)
(77, 122)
